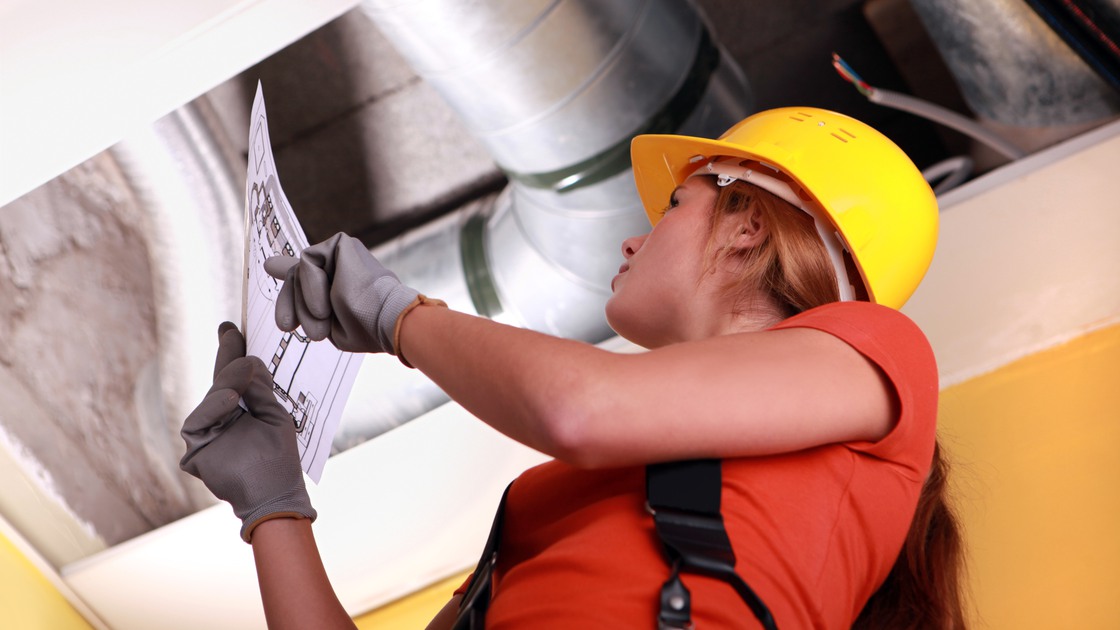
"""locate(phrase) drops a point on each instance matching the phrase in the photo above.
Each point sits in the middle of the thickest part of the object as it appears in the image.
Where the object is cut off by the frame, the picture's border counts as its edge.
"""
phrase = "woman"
(766, 294)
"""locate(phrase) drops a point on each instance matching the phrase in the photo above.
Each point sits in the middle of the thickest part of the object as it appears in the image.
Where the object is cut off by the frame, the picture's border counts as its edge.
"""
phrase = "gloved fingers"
(217, 413)
(231, 345)
(286, 304)
(305, 294)
(213, 412)
(237, 375)
(323, 255)
(314, 327)
(278, 266)
(286, 319)
(260, 398)
(315, 287)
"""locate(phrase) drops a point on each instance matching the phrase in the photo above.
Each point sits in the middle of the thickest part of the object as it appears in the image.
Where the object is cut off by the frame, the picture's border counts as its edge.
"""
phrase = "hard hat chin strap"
(729, 170)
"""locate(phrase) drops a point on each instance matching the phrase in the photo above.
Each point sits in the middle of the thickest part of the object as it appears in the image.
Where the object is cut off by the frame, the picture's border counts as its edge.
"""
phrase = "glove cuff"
(396, 300)
(247, 527)
(420, 300)
(268, 489)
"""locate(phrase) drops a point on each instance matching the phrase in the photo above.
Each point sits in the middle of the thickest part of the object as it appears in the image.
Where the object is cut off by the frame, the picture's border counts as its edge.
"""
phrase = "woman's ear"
(749, 230)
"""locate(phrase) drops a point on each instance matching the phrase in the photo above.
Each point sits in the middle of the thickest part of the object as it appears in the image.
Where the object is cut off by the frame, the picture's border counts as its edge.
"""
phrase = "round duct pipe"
(1014, 72)
(555, 89)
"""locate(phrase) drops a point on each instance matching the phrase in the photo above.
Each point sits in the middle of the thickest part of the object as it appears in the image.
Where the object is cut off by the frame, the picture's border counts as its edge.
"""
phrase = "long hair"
(924, 587)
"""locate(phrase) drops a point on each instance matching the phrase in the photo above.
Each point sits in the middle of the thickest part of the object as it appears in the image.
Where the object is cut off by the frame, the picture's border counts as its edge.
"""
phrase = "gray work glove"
(247, 458)
(337, 289)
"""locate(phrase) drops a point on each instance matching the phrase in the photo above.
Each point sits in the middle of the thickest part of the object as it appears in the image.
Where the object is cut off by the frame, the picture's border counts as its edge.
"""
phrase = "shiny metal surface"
(546, 84)
(555, 90)
(1011, 67)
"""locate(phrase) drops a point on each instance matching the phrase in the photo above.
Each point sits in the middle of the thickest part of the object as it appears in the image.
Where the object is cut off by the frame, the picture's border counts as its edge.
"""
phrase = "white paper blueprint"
(312, 379)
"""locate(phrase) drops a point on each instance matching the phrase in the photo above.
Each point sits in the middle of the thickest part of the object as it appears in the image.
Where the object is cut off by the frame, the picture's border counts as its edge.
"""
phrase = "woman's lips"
(621, 270)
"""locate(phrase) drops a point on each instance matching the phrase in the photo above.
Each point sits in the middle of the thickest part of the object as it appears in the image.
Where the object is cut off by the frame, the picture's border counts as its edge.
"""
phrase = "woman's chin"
(627, 327)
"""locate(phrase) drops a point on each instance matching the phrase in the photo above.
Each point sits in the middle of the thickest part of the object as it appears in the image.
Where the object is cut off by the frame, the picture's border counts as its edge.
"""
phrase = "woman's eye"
(673, 203)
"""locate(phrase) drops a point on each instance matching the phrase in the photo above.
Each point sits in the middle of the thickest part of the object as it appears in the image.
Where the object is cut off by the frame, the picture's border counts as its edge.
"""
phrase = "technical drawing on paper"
(312, 379)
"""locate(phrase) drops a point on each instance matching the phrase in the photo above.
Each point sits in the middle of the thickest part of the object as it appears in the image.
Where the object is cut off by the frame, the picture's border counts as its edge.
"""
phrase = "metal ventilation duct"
(1012, 68)
(555, 89)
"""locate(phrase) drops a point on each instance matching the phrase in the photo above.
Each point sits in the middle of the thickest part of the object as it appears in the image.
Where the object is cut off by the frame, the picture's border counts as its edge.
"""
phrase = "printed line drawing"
(312, 379)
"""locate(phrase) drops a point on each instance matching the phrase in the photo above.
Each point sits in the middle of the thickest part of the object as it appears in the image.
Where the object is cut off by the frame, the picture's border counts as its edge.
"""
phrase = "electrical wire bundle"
(954, 169)
(927, 110)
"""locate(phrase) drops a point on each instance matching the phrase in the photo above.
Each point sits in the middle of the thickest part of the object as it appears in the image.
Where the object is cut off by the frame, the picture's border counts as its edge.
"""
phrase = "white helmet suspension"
(728, 170)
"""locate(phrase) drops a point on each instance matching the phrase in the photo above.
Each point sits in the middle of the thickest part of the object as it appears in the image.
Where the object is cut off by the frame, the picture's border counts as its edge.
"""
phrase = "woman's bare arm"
(294, 586)
(446, 616)
(731, 396)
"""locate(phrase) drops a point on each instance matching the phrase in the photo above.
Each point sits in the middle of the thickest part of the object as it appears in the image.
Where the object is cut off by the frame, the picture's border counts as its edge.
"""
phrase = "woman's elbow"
(574, 416)
(569, 436)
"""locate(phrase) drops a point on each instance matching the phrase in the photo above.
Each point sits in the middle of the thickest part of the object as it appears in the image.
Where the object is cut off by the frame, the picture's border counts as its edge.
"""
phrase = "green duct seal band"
(607, 163)
(480, 284)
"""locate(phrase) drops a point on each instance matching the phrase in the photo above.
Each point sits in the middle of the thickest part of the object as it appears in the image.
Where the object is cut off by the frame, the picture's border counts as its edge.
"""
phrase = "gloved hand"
(246, 458)
(337, 289)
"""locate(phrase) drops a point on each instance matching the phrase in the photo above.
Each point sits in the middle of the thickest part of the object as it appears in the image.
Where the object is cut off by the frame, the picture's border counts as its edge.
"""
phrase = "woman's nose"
(631, 245)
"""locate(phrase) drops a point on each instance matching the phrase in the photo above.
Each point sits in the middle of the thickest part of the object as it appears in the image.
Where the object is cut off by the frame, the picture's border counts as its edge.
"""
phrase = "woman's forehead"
(697, 183)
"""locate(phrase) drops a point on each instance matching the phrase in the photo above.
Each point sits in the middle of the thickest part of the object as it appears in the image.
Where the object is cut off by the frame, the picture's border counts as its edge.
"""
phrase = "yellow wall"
(27, 600)
(412, 612)
(1036, 447)
(1036, 453)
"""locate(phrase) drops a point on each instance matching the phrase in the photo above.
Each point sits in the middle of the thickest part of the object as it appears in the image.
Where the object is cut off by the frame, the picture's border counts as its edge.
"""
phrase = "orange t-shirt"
(815, 532)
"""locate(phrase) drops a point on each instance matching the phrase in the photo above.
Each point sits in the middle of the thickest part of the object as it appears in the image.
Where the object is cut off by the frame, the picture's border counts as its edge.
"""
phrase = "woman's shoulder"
(854, 311)
(884, 335)
(897, 345)
(866, 326)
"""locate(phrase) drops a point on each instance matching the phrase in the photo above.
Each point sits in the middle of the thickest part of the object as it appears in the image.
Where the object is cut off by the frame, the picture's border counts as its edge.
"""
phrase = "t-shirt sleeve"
(462, 590)
(897, 346)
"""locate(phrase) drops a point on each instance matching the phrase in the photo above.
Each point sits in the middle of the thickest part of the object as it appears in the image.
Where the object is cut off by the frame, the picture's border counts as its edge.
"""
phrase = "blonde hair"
(791, 265)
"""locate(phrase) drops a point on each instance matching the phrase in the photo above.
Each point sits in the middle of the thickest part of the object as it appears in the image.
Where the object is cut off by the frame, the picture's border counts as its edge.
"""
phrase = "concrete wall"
(78, 365)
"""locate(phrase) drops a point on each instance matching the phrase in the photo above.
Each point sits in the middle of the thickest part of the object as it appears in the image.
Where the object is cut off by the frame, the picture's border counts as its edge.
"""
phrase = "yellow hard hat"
(873, 195)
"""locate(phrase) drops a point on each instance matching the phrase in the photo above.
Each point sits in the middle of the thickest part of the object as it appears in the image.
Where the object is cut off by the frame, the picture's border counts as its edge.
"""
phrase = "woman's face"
(664, 272)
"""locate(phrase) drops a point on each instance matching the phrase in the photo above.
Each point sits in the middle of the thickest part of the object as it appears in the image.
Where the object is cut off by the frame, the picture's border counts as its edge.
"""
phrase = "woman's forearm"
(497, 373)
(713, 397)
(294, 587)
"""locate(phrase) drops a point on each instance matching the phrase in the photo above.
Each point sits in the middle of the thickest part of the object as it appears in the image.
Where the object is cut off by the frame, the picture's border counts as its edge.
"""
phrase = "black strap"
(476, 599)
(684, 498)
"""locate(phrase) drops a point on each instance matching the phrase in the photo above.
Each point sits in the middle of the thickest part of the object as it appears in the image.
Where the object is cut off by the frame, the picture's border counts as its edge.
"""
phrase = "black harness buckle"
(676, 603)
(684, 498)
